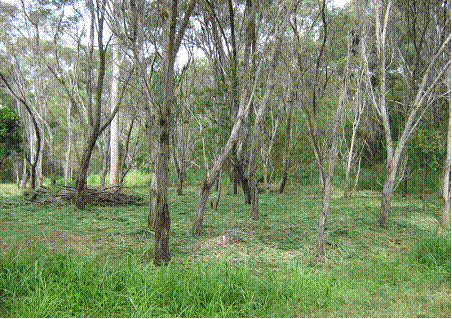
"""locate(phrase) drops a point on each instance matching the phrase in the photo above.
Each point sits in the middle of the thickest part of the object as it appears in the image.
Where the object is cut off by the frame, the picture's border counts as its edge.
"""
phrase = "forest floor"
(237, 267)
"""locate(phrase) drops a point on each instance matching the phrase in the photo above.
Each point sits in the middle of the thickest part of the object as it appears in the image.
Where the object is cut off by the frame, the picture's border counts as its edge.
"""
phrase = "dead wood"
(92, 196)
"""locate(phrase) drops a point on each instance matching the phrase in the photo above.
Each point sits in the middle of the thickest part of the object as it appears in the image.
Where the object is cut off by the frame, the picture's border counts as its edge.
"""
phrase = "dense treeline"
(266, 92)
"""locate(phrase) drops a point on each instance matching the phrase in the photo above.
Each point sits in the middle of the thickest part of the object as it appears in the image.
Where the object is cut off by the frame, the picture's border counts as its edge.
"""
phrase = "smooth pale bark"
(114, 126)
(39, 176)
(105, 151)
(67, 155)
(445, 218)
(25, 174)
(356, 120)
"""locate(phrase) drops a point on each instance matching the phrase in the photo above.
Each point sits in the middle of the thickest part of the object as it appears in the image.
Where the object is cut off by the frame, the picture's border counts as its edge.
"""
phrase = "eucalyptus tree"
(159, 214)
(165, 30)
(15, 75)
(435, 42)
(280, 29)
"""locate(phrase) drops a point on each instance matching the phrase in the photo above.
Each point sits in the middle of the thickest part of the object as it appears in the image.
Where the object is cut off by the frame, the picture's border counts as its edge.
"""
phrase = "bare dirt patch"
(55, 240)
(64, 240)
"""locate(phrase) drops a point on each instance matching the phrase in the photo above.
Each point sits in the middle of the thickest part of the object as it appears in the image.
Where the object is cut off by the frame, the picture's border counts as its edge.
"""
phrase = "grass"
(62, 262)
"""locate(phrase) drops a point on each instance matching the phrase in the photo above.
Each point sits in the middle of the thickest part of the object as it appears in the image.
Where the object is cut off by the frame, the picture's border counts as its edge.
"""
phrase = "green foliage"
(427, 147)
(136, 178)
(10, 132)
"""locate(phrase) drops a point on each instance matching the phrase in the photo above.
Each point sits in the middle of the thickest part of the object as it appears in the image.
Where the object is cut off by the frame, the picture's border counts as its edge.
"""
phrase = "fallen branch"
(92, 196)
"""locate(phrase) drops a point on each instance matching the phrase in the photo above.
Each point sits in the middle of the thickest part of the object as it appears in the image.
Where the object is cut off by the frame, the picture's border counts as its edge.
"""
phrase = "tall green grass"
(40, 284)
(433, 251)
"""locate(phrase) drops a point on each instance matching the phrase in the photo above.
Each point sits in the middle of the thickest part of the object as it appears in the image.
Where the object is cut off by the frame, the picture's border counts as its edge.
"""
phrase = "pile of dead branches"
(92, 196)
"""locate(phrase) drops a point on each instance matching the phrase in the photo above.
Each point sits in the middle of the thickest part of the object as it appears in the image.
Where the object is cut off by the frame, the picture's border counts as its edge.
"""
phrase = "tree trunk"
(286, 159)
(80, 179)
(105, 159)
(25, 173)
(432, 75)
(445, 218)
(386, 197)
(67, 155)
(234, 178)
(180, 170)
(114, 128)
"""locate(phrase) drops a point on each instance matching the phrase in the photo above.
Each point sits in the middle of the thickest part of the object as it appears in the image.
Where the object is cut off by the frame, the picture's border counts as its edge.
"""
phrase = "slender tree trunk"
(114, 128)
(16, 172)
(105, 159)
(445, 218)
(358, 170)
(67, 156)
(25, 174)
(234, 178)
(179, 168)
(80, 179)
(386, 197)
(286, 159)
(39, 175)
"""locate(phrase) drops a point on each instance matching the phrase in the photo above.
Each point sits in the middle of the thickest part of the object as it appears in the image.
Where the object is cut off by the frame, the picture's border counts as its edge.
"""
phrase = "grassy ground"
(58, 261)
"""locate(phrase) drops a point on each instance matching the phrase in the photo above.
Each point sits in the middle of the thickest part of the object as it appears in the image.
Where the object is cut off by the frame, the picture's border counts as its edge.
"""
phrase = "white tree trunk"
(114, 129)
(67, 155)
(445, 219)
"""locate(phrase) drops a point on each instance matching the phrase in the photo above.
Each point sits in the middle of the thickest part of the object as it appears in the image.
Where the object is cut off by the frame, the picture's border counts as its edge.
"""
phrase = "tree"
(432, 74)
(33, 158)
(237, 139)
(159, 211)
(270, 83)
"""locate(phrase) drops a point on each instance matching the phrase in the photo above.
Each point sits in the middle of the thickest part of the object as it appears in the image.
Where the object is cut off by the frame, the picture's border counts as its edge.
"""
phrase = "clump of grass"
(433, 251)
